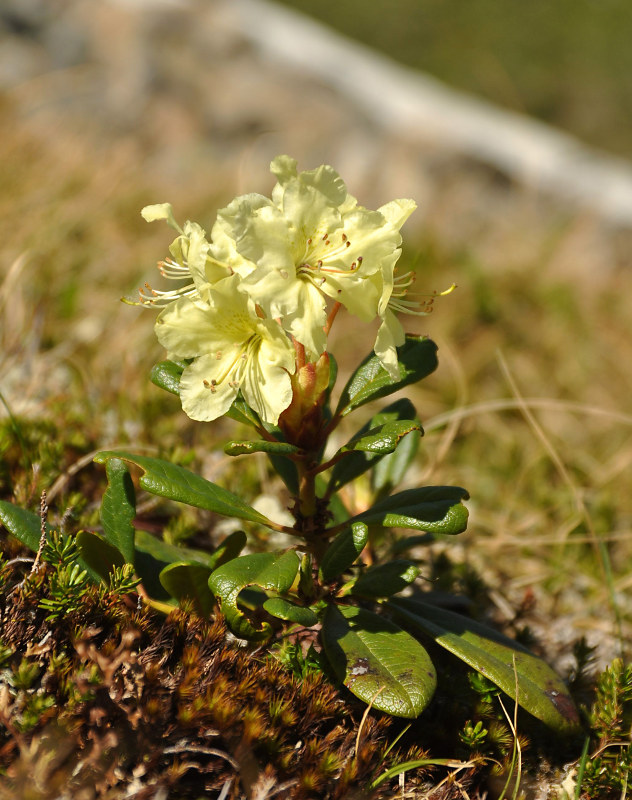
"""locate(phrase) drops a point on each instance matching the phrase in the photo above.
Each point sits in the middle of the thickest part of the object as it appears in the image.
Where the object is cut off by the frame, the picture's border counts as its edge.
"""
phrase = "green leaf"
(377, 661)
(240, 411)
(540, 690)
(287, 471)
(343, 551)
(100, 556)
(383, 439)
(153, 555)
(177, 483)
(186, 581)
(290, 612)
(359, 459)
(235, 448)
(118, 509)
(384, 580)
(166, 375)
(434, 509)
(229, 548)
(266, 570)
(24, 525)
(389, 471)
(171, 553)
(417, 358)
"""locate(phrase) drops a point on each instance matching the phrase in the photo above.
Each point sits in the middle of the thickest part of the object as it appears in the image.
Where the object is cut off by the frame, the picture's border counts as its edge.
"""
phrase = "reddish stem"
(331, 317)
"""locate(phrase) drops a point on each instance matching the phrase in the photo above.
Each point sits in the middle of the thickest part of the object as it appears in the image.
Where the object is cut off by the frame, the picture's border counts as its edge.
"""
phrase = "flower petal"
(187, 328)
(160, 211)
(389, 336)
(201, 400)
(267, 386)
(397, 211)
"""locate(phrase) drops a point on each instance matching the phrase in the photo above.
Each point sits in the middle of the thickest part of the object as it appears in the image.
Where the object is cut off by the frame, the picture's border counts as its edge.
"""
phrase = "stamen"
(397, 301)
(172, 270)
(233, 370)
(160, 299)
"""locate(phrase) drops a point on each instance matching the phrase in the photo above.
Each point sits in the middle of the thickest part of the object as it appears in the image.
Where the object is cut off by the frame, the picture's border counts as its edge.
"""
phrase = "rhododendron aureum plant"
(246, 330)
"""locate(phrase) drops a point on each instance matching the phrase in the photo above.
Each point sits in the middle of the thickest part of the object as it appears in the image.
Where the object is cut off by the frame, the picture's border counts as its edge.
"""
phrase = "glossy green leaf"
(417, 358)
(186, 581)
(23, 524)
(383, 439)
(98, 554)
(434, 509)
(26, 527)
(118, 509)
(378, 661)
(229, 548)
(286, 470)
(240, 411)
(290, 612)
(235, 448)
(265, 570)
(343, 551)
(388, 472)
(166, 375)
(359, 459)
(176, 483)
(384, 580)
(540, 690)
(171, 553)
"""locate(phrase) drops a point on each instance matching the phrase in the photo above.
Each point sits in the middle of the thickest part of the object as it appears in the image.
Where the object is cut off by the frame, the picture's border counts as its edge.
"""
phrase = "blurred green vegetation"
(567, 62)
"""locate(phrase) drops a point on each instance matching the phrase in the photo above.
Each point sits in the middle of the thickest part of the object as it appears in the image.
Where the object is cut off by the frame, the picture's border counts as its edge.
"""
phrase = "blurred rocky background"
(208, 91)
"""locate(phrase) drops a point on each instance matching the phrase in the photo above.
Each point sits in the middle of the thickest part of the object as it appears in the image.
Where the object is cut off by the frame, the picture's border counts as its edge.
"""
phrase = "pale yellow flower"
(310, 242)
(190, 260)
(233, 350)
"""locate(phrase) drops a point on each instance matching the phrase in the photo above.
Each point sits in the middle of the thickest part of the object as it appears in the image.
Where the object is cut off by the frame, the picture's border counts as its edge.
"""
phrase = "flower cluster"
(261, 292)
